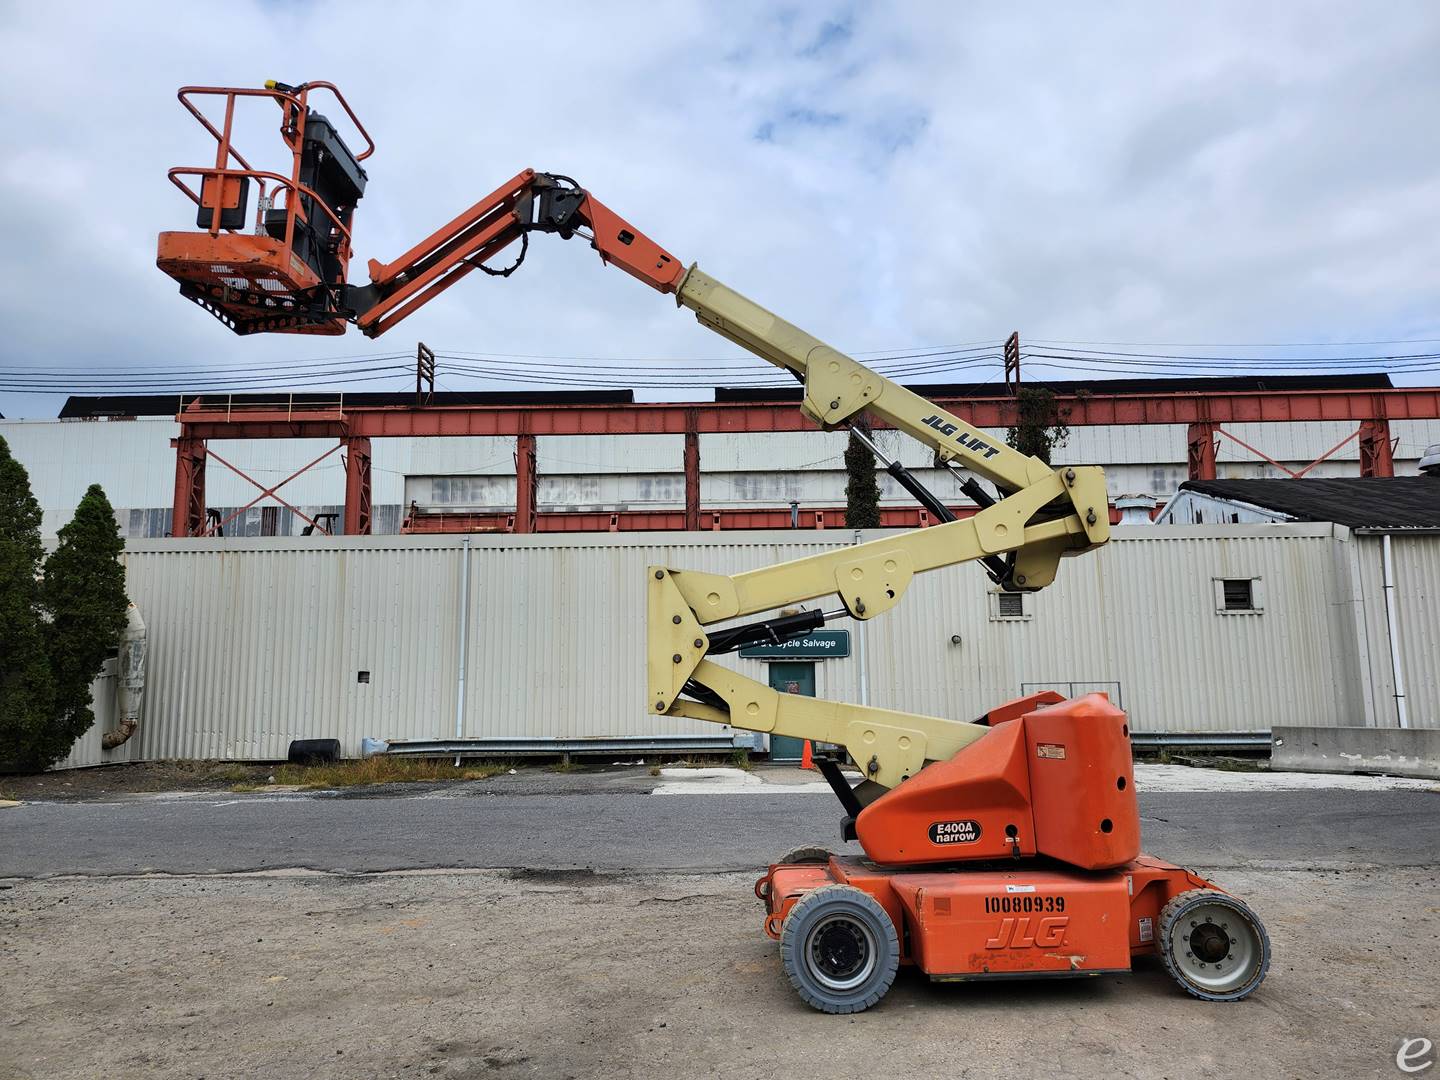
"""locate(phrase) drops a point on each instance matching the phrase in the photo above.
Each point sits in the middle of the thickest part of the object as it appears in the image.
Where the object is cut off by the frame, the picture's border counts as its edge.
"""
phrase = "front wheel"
(1213, 945)
(839, 949)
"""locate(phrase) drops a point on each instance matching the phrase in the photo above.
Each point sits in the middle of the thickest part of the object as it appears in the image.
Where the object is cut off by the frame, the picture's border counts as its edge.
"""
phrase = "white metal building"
(258, 641)
(1394, 525)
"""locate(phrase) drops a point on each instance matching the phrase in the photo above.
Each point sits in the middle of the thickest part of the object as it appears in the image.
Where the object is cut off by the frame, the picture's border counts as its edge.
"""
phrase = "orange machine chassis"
(1027, 919)
(1018, 857)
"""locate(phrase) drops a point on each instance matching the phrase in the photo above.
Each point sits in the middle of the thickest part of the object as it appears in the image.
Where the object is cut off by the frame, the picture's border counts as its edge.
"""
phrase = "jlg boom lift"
(1002, 847)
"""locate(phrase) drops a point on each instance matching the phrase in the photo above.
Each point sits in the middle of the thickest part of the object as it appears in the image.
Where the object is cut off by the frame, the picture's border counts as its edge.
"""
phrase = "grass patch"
(379, 770)
(739, 758)
(1229, 764)
(1201, 760)
(233, 774)
(564, 765)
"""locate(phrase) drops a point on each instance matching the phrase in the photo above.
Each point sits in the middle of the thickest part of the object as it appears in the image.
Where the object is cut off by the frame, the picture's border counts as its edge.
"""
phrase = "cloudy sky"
(887, 176)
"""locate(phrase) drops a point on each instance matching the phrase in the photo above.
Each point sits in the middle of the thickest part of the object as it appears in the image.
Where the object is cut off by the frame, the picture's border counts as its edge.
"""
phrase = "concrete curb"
(1392, 751)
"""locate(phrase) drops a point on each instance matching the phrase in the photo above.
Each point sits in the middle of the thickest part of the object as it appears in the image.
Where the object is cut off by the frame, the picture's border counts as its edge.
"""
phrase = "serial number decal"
(954, 832)
(1054, 751)
(1023, 905)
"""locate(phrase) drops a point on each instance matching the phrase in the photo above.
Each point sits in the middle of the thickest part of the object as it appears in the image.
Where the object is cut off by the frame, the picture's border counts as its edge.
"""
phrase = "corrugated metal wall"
(1416, 562)
(1139, 617)
(258, 641)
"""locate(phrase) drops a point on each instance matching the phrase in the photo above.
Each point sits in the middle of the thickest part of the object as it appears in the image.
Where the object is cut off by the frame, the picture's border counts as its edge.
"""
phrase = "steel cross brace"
(270, 491)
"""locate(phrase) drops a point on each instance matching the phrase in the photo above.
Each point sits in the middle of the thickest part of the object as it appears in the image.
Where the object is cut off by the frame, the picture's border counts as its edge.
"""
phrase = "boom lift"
(1007, 846)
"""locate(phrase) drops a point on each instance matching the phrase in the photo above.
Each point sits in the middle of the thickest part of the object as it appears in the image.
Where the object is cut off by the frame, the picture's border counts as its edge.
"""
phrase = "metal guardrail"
(710, 744)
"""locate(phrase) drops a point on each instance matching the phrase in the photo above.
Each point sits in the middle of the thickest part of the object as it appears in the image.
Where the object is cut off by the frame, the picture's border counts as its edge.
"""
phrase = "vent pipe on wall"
(130, 691)
(1402, 714)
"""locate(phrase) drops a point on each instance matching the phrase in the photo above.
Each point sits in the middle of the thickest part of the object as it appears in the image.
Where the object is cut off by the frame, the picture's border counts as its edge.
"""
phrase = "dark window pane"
(1238, 594)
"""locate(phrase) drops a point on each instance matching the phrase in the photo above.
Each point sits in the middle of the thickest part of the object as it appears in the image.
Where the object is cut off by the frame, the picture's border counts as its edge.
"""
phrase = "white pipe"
(464, 637)
(1392, 623)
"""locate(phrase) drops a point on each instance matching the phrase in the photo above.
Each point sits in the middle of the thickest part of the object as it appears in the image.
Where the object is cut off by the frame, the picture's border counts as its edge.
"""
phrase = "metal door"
(790, 677)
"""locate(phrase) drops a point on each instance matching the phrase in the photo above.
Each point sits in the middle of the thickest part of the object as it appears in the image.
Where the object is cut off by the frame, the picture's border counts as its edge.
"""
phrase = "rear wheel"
(839, 949)
(1213, 945)
(811, 854)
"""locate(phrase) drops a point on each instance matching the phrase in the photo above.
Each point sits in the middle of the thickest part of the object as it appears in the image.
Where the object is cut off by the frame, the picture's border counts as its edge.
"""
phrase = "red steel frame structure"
(1204, 414)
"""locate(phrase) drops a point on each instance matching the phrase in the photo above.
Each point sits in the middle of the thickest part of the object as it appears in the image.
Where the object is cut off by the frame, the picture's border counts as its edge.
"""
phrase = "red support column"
(1376, 454)
(188, 513)
(1201, 438)
(692, 473)
(357, 486)
(526, 486)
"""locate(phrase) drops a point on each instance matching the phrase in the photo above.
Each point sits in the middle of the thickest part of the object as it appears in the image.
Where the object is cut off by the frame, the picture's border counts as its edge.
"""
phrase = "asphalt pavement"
(583, 925)
(612, 824)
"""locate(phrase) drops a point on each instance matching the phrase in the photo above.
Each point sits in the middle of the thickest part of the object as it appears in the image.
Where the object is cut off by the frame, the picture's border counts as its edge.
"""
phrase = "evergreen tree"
(84, 592)
(862, 493)
(26, 687)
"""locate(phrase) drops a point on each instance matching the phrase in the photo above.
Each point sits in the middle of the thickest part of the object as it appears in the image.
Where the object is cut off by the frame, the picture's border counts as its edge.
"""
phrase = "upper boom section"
(838, 387)
(528, 202)
(288, 276)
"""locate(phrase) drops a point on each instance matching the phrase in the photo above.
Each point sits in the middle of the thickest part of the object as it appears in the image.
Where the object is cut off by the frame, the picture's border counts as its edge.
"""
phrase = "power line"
(1185, 359)
(49, 371)
(891, 353)
(695, 373)
(1237, 344)
(189, 388)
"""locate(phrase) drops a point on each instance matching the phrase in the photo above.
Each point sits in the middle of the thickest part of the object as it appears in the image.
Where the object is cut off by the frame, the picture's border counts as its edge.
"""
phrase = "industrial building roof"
(1357, 502)
(1202, 385)
(82, 407)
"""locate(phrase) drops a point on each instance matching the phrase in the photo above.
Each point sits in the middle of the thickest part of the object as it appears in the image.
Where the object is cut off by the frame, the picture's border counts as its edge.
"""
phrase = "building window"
(1009, 606)
(1237, 596)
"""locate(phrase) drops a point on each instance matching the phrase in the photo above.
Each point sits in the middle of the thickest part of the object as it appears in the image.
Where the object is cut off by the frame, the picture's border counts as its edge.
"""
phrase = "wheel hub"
(1215, 947)
(842, 952)
(1209, 943)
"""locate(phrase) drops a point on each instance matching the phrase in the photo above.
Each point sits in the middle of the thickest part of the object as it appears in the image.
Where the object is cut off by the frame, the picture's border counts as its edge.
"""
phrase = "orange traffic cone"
(807, 756)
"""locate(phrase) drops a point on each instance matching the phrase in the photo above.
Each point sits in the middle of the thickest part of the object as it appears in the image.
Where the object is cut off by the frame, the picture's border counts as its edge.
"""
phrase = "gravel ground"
(556, 974)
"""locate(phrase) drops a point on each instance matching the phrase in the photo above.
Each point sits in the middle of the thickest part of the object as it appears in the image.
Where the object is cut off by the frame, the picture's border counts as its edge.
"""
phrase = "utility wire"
(1237, 344)
(932, 362)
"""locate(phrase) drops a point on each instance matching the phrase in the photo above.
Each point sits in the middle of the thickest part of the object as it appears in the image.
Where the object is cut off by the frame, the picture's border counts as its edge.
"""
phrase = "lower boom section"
(846, 925)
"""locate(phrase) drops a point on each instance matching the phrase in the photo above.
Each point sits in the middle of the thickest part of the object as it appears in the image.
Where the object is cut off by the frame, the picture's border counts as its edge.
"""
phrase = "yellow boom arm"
(1041, 516)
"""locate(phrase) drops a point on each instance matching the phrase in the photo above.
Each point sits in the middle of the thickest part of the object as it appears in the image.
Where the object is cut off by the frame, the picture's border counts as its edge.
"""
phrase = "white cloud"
(885, 176)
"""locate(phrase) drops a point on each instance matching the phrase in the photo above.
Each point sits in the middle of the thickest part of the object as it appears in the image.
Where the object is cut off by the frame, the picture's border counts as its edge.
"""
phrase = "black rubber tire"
(1172, 919)
(810, 854)
(843, 904)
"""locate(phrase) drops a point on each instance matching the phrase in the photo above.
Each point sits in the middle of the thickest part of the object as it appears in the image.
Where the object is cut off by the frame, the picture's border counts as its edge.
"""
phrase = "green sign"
(817, 645)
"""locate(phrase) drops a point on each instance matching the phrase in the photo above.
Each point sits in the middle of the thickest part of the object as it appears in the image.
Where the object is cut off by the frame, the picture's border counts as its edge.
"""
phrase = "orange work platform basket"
(282, 270)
